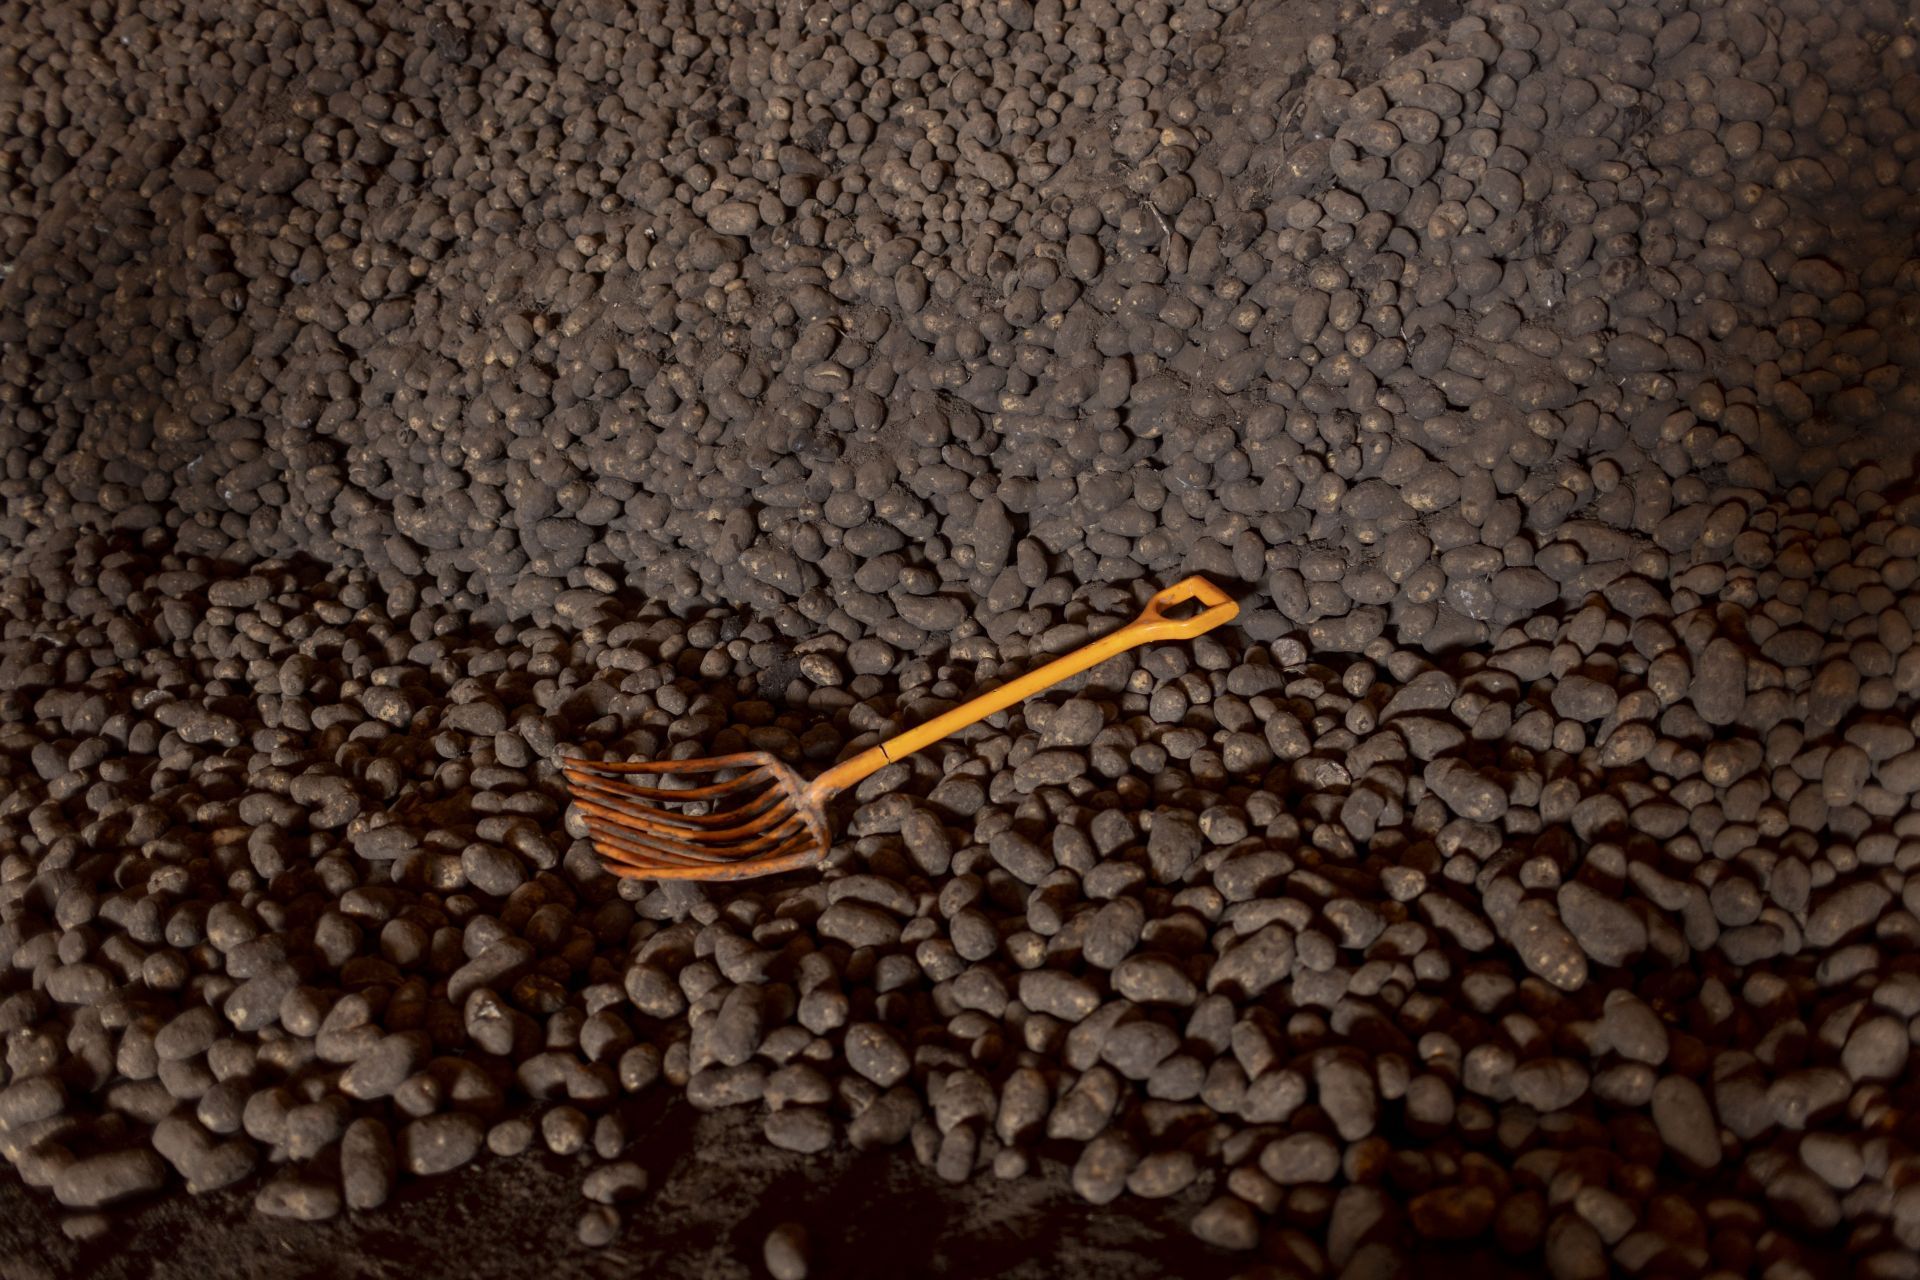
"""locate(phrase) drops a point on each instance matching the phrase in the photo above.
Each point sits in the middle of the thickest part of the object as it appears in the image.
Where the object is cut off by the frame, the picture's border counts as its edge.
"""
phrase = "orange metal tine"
(613, 798)
(639, 846)
(614, 805)
(765, 814)
(764, 821)
(643, 843)
(644, 846)
(756, 766)
(780, 822)
(641, 849)
(720, 838)
(692, 764)
(799, 852)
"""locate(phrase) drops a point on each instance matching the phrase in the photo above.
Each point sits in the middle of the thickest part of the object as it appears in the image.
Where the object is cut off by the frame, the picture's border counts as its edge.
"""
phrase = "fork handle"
(1151, 626)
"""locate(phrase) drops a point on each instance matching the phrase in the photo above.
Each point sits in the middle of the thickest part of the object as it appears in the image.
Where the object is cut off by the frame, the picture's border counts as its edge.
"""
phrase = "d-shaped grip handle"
(1218, 607)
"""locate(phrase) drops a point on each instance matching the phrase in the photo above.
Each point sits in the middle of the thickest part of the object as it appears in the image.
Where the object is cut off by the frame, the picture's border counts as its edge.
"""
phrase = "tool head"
(717, 818)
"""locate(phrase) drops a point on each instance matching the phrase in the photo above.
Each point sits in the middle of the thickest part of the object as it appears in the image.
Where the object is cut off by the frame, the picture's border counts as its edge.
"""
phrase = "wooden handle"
(1151, 626)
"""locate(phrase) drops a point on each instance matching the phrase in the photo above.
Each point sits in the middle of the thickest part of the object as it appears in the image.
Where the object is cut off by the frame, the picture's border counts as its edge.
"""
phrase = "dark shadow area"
(718, 1190)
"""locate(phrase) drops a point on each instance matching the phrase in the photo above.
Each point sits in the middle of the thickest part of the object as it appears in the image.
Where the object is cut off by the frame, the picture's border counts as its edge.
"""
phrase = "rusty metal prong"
(645, 843)
(760, 820)
(730, 829)
(610, 801)
(795, 852)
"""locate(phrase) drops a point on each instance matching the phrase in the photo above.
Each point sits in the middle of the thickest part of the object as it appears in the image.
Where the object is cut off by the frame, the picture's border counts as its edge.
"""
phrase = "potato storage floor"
(395, 396)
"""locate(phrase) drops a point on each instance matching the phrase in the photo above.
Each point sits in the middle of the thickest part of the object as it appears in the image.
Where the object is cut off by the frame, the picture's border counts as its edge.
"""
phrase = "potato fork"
(756, 816)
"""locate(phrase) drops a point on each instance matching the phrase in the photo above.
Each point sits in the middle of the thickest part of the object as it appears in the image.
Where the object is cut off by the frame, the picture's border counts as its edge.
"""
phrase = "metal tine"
(769, 816)
(613, 801)
(737, 871)
(772, 819)
(693, 764)
(708, 811)
(664, 795)
(653, 796)
(646, 843)
(757, 783)
(715, 847)
(748, 822)
(642, 843)
(669, 769)
(796, 851)
(805, 855)
(644, 832)
(636, 849)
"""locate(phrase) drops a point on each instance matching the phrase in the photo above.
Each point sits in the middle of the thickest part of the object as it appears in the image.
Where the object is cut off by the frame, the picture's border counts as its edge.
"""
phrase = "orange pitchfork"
(757, 816)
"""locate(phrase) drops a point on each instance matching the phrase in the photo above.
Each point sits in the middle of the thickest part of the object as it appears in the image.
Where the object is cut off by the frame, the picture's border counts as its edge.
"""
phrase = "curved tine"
(693, 764)
(614, 800)
(645, 857)
(762, 817)
(646, 854)
(794, 861)
(795, 852)
(616, 847)
(775, 820)
(663, 795)
(750, 798)
(736, 793)
(627, 793)
(769, 808)
(627, 843)
(656, 843)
